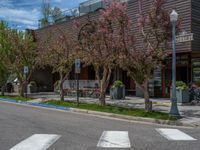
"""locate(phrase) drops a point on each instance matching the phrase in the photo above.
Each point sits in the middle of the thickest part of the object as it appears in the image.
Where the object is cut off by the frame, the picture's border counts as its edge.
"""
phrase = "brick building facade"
(188, 53)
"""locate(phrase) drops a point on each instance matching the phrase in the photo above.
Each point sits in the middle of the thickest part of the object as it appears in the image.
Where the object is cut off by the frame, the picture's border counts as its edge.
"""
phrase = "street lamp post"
(174, 109)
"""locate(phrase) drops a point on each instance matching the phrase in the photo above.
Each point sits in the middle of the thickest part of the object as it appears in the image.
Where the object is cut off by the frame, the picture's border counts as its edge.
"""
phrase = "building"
(188, 53)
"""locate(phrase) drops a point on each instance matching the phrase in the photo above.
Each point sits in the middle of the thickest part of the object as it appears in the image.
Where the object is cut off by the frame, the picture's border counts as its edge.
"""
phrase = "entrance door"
(181, 75)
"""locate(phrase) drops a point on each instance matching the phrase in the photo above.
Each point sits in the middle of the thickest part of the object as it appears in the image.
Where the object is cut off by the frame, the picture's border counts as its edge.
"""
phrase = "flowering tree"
(18, 49)
(141, 62)
(4, 73)
(59, 52)
(102, 40)
(3, 45)
(23, 54)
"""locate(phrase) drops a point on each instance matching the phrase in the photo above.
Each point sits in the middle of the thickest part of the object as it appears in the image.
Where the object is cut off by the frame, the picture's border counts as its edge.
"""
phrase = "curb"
(35, 104)
(117, 116)
(132, 118)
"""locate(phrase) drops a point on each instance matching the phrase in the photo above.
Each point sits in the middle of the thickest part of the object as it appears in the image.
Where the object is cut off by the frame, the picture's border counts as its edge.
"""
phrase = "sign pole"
(77, 88)
(26, 86)
(26, 70)
(77, 72)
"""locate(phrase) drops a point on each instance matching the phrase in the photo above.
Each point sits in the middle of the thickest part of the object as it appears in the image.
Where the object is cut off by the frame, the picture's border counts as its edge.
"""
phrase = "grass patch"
(112, 109)
(17, 98)
(167, 104)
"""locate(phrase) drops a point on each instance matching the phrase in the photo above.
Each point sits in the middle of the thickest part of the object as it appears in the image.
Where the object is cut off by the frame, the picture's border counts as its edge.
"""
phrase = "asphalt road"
(82, 131)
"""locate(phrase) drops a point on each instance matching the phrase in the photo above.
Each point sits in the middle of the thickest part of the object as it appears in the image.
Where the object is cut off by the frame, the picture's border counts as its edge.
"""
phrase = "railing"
(84, 8)
(87, 88)
(90, 6)
(83, 84)
(90, 2)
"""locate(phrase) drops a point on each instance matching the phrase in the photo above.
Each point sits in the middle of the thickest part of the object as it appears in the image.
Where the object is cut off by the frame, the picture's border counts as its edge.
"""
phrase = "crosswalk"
(108, 139)
(120, 139)
(175, 135)
(114, 139)
(37, 142)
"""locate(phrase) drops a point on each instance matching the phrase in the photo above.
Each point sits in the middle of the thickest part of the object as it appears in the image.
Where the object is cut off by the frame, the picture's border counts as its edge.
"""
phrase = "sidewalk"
(190, 114)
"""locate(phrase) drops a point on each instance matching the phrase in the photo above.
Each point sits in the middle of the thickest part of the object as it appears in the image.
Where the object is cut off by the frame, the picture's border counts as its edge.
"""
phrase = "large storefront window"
(196, 70)
(155, 85)
(183, 72)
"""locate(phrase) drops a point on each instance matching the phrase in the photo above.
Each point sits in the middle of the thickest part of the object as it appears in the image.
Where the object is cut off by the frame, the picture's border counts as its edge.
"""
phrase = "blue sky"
(22, 14)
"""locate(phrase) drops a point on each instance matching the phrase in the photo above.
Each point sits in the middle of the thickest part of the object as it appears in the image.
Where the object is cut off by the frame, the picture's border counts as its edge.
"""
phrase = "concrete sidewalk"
(190, 113)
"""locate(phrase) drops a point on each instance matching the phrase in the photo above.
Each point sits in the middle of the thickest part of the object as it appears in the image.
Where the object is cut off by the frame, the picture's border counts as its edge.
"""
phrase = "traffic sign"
(26, 70)
(77, 65)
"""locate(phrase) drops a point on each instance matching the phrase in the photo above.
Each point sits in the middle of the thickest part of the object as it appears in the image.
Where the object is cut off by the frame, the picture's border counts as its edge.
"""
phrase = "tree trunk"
(103, 85)
(102, 96)
(21, 89)
(3, 90)
(62, 93)
(148, 103)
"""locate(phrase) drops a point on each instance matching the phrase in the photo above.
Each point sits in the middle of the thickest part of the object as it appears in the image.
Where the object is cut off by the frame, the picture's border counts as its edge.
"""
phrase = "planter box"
(182, 95)
(117, 93)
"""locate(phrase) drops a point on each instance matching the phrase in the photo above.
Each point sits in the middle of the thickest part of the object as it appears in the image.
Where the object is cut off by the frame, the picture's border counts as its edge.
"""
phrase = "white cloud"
(24, 14)
(20, 16)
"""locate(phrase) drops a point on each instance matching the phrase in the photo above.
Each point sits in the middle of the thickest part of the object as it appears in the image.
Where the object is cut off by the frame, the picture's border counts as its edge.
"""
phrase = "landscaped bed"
(112, 109)
(17, 98)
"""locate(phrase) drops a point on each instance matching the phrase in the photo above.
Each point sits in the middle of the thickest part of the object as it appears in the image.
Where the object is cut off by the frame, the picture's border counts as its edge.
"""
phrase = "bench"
(85, 92)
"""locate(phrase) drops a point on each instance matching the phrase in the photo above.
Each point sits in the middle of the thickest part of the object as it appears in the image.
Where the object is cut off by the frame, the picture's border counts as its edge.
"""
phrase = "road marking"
(175, 135)
(37, 142)
(114, 139)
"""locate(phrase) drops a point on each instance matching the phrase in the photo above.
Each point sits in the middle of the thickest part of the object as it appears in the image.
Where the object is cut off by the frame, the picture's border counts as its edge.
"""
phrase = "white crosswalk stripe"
(174, 134)
(37, 142)
(114, 139)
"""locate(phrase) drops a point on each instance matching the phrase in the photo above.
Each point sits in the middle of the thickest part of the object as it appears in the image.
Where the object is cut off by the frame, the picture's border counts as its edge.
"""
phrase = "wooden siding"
(196, 25)
(183, 7)
(53, 30)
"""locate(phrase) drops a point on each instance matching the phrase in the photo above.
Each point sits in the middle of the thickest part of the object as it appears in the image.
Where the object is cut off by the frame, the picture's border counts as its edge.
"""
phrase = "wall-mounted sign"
(184, 37)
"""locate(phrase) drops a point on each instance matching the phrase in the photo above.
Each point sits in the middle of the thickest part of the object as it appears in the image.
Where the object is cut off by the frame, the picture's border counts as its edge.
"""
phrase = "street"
(19, 125)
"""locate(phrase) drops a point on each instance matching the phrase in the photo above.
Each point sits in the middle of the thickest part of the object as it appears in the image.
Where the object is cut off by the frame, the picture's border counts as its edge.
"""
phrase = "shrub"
(198, 83)
(181, 85)
(117, 84)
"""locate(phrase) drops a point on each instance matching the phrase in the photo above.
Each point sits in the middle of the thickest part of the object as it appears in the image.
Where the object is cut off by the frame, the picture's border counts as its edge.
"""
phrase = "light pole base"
(174, 109)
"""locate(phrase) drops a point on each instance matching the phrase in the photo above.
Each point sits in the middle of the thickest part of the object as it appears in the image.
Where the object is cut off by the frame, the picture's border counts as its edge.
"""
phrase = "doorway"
(181, 75)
